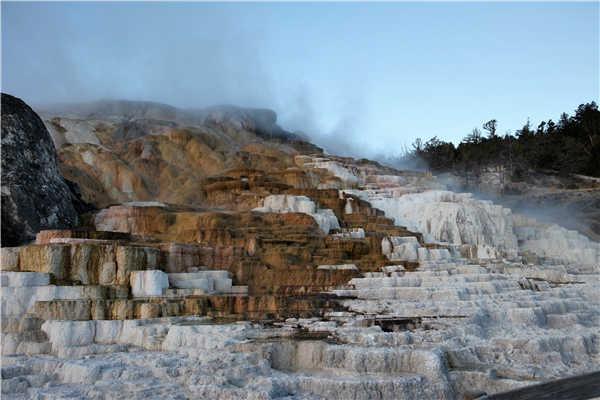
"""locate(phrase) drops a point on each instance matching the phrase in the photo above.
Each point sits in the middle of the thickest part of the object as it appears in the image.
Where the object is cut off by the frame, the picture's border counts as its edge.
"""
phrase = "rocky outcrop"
(34, 193)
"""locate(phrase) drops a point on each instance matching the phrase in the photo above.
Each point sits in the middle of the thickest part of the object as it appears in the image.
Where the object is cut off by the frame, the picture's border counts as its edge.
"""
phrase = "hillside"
(220, 256)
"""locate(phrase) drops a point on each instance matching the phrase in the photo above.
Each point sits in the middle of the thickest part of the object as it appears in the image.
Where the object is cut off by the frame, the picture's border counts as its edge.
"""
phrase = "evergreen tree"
(570, 146)
(490, 127)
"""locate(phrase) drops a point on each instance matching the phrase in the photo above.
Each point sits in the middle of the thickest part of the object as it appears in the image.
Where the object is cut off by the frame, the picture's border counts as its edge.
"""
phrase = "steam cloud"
(224, 65)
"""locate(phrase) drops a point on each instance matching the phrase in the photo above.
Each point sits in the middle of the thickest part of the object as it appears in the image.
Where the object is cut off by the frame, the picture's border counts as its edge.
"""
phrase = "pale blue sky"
(375, 75)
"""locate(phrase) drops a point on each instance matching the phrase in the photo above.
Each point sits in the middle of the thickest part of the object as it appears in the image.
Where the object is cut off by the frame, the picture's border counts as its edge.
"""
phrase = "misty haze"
(300, 200)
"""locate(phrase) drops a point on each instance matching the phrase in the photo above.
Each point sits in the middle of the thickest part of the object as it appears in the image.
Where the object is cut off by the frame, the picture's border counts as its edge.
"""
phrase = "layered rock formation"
(231, 259)
(35, 195)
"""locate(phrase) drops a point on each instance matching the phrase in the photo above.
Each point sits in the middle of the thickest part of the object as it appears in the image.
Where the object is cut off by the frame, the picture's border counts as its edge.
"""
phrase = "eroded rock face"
(35, 195)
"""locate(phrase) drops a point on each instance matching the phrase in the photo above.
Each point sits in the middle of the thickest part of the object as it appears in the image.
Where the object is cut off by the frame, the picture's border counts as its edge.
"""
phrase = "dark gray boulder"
(35, 195)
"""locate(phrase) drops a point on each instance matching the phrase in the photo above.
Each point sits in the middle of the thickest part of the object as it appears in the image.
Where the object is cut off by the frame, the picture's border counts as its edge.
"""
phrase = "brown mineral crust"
(296, 281)
(172, 166)
(103, 177)
(53, 259)
(240, 189)
(179, 257)
(270, 252)
(243, 188)
(175, 223)
(259, 307)
(88, 262)
(50, 235)
(266, 241)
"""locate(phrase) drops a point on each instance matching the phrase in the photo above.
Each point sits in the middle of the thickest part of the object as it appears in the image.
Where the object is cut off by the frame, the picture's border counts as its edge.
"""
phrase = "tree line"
(571, 145)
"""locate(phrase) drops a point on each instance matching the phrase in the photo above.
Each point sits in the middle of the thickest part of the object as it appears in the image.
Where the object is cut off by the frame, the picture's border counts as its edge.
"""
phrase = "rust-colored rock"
(53, 259)
(58, 235)
(93, 264)
(134, 258)
(269, 252)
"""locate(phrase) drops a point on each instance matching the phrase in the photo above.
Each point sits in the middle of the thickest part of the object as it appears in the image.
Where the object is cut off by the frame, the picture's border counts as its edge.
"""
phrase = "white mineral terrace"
(439, 332)
(462, 323)
(281, 203)
(457, 219)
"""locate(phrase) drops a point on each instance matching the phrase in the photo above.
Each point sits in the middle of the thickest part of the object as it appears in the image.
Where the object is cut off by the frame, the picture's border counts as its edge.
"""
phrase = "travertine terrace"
(254, 266)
